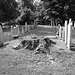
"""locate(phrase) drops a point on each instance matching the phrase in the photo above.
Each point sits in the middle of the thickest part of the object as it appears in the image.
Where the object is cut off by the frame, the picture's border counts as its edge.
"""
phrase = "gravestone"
(15, 32)
(60, 32)
(66, 31)
(18, 30)
(26, 27)
(11, 33)
(6, 37)
(11, 30)
(63, 34)
(74, 24)
(22, 30)
(1, 37)
(33, 26)
(69, 34)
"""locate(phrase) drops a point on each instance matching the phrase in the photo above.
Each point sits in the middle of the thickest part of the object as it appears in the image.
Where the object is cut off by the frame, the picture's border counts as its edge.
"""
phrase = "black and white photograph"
(37, 37)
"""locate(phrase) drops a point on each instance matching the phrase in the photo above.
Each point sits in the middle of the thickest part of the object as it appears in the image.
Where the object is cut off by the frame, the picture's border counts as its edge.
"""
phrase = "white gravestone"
(66, 31)
(60, 32)
(74, 24)
(63, 34)
(11, 34)
(1, 36)
(17, 29)
(12, 30)
(69, 35)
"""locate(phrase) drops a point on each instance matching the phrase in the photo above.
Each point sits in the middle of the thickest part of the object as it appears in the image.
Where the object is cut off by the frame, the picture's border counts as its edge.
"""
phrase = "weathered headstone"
(63, 34)
(15, 31)
(25, 27)
(66, 31)
(22, 30)
(33, 26)
(18, 31)
(6, 37)
(12, 30)
(69, 34)
(1, 36)
(11, 34)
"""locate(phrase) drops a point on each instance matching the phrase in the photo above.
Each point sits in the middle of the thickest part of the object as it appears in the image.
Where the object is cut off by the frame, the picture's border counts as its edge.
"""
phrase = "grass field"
(26, 62)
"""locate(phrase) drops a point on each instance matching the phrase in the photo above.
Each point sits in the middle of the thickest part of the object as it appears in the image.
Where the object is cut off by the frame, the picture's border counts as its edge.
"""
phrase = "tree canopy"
(39, 10)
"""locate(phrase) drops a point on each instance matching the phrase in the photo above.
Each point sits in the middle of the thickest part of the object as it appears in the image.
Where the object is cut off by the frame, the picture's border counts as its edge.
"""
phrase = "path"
(41, 31)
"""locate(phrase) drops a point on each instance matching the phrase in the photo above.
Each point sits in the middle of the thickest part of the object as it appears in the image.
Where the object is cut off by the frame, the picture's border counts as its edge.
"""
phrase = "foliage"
(26, 11)
(19, 11)
(62, 9)
(8, 10)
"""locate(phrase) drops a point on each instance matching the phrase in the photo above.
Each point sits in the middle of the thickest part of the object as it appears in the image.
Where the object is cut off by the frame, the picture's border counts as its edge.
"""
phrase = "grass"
(25, 62)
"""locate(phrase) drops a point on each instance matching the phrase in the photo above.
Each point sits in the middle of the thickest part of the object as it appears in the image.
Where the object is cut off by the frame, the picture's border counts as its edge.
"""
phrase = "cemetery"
(36, 42)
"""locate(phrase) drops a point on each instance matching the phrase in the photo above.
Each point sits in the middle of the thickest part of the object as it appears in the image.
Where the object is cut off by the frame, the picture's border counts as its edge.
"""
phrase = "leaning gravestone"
(1, 37)
(15, 32)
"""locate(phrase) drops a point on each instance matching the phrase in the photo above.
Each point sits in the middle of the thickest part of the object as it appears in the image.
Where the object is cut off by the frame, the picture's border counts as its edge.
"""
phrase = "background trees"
(43, 12)
(61, 9)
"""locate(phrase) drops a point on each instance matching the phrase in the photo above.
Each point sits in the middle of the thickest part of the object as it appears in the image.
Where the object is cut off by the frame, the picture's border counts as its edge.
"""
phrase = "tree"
(8, 10)
(26, 10)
